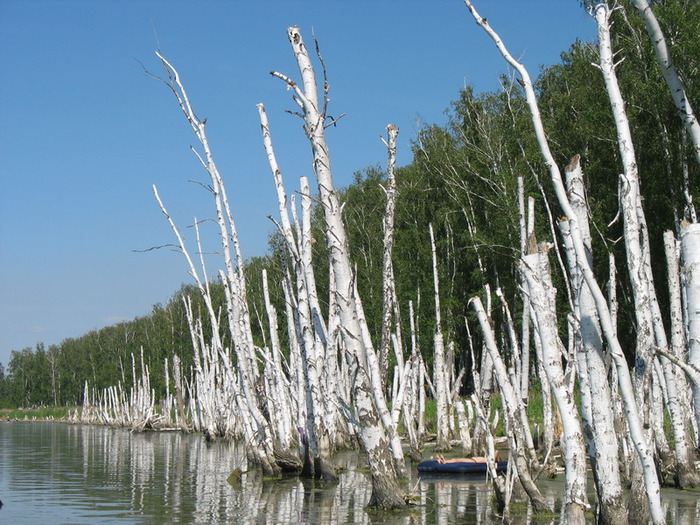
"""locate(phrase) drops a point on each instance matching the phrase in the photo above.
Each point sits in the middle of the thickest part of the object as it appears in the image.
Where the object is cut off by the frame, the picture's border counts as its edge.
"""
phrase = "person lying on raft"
(474, 459)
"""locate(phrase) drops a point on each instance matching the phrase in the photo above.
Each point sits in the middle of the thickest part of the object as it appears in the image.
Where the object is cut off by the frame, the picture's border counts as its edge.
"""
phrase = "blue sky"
(85, 133)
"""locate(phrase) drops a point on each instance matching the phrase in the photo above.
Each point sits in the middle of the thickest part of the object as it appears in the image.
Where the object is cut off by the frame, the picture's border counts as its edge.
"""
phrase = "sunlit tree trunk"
(310, 329)
(675, 85)
(535, 266)
(525, 327)
(237, 315)
(439, 368)
(279, 390)
(690, 249)
(644, 452)
(386, 492)
(597, 407)
(678, 339)
(650, 327)
(388, 285)
(510, 398)
(181, 415)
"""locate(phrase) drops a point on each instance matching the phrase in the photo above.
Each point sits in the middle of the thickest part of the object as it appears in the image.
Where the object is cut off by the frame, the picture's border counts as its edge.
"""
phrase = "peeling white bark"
(631, 409)
(675, 85)
(542, 299)
(373, 430)
(597, 404)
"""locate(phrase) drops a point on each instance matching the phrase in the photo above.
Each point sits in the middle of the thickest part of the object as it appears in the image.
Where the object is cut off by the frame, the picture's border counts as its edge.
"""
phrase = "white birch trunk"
(515, 350)
(690, 249)
(525, 333)
(630, 201)
(510, 401)
(319, 427)
(238, 317)
(678, 339)
(439, 371)
(296, 370)
(181, 415)
(627, 391)
(388, 285)
(673, 80)
(542, 299)
(650, 329)
(280, 386)
(373, 434)
(548, 414)
(420, 375)
(595, 390)
(465, 435)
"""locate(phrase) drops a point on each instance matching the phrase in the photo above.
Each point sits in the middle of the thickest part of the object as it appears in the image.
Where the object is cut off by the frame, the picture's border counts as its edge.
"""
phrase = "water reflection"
(56, 473)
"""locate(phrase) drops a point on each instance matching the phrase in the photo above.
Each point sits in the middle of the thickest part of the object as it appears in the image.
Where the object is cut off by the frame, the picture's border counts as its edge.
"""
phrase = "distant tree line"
(463, 180)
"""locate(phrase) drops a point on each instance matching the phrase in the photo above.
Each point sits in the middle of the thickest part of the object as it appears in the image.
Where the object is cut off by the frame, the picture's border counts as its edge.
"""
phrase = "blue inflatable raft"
(435, 467)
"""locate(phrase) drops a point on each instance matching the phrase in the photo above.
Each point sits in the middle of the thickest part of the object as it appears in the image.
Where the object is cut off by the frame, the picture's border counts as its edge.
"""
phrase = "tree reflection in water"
(180, 478)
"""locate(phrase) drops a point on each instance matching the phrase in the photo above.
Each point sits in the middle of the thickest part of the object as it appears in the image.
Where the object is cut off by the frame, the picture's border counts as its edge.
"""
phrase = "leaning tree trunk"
(511, 400)
(238, 317)
(644, 452)
(675, 85)
(593, 368)
(650, 328)
(311, 337)
(386, 492)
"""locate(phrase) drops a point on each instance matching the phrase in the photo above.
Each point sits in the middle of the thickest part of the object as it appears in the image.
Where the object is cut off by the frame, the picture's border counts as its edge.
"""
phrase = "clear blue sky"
(84, 132)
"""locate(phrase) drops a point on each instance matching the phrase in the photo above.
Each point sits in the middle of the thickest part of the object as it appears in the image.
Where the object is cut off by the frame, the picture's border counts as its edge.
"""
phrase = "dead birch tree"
(673, 79)
(510, 398)
(317, 445)
(597, 406)
(389, 300)
(650, 329)
(535, 267)
(690, 249)
(375, 434)
(261, 446)
(626, 389)
(440, 376)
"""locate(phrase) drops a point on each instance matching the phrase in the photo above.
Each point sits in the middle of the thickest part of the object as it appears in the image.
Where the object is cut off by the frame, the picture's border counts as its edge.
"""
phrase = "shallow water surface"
(53, 473)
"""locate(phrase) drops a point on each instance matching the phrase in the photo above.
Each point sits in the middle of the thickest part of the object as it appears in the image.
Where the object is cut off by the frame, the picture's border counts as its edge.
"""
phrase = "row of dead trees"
(295, 406)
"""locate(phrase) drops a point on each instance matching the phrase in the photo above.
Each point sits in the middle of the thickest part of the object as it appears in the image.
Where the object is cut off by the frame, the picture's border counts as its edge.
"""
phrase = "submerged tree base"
(386, 494)
(287, 461)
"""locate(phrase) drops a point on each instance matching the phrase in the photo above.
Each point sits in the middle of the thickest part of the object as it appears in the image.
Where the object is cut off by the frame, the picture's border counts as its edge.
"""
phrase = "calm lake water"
(53, 473)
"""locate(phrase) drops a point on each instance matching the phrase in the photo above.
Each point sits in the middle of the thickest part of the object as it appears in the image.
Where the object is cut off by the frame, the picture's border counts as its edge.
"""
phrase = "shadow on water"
(52, 473)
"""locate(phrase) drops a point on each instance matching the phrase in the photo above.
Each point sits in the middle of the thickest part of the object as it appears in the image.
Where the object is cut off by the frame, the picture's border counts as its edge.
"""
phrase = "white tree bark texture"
(673, 80)
(510, 396)
(238, 317)
(690, 250)
(644, 452)
(376, 429)
(593, 368)
(542, 300)
(440, 376)
(650, 328)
